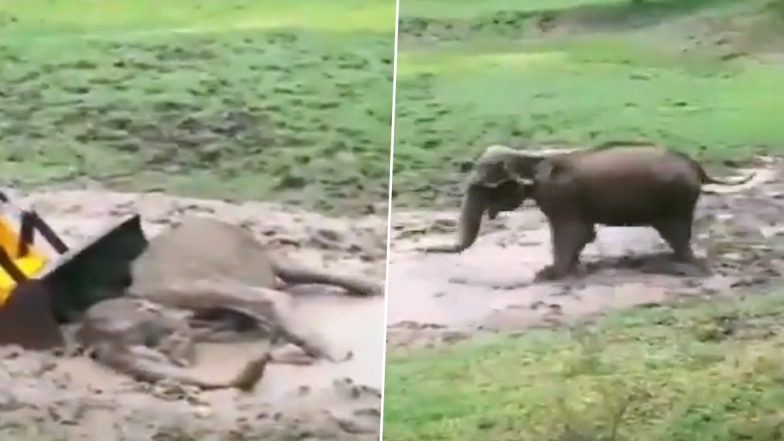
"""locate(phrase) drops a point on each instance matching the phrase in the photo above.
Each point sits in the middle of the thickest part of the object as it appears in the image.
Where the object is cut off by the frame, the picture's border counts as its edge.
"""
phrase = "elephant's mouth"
(505, 196)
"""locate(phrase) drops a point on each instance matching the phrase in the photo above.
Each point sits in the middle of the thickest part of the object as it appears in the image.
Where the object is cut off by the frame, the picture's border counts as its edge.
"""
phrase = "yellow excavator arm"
(40, 289)
(29, 263)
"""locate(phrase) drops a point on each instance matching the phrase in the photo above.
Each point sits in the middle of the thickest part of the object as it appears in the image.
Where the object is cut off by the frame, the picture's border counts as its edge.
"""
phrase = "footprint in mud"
(361, 412)
(343, 410)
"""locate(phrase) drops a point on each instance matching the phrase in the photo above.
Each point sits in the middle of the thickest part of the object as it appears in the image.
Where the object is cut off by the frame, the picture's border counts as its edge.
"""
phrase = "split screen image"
(391, 220)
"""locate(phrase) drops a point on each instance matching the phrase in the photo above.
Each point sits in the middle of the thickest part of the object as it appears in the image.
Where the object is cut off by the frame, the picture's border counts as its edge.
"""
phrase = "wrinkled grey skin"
(219, 271)
(614, 184)
(150, 343)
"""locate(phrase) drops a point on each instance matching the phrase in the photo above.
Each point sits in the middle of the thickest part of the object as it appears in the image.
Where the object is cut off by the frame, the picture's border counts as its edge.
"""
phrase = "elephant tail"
(705, 178)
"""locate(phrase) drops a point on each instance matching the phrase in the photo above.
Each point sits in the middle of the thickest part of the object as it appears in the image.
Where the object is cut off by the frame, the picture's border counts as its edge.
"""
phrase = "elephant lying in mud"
(613, 184)
(221, 273)
(150, 343)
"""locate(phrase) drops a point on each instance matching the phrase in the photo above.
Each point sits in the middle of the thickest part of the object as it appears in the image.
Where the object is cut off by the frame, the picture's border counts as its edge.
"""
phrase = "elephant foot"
(292, 355)
(442, 249)
(344, 357)
(695, 268)
(551, 273)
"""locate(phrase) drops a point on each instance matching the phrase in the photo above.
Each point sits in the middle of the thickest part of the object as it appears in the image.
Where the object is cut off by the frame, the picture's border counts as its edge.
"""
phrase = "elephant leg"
(271, 308)
(141, 364)
(179, 349)
(285, 355)
(678, 233)
(568, 240)
(588, 238)
(295, 275)
(149, 355)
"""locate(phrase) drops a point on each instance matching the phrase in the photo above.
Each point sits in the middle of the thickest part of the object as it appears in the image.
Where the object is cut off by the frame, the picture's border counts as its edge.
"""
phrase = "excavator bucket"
(38, 292)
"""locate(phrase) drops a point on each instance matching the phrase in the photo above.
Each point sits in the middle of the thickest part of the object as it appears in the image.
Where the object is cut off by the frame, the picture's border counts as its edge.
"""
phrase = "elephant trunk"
(471, 211)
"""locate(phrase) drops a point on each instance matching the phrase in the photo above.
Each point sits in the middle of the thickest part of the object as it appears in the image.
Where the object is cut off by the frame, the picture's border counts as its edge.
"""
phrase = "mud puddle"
(439, 298)
(43, 397)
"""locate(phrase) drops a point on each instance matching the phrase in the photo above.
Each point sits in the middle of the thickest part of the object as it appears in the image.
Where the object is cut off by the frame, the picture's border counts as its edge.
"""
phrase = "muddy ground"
(42, 397)
(439, 298)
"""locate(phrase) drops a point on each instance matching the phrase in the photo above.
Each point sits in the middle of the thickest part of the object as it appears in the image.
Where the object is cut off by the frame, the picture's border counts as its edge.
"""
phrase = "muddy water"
(322, 401)
(489, 287)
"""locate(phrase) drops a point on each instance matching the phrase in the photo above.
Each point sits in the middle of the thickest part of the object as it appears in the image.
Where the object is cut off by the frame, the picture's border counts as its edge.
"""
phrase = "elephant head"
(501, 180)
(499, 164)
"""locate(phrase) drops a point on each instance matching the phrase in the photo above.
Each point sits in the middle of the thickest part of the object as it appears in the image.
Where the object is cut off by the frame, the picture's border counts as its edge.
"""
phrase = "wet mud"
(54, 398)
(440, 298)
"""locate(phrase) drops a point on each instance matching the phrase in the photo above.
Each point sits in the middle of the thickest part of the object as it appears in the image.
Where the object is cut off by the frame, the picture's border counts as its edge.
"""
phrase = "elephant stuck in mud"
(205, 280)
(613, 184)
(221, 273)
(151, 343)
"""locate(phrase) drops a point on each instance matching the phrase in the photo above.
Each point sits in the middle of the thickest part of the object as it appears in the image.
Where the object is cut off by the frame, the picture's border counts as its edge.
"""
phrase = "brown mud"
(439, 298)
(43, 397)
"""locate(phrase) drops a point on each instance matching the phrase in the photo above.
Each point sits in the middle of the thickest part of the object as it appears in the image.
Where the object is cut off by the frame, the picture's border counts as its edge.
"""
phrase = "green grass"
(710, 372)
(285, 101)
(55, 17)
(470, 75)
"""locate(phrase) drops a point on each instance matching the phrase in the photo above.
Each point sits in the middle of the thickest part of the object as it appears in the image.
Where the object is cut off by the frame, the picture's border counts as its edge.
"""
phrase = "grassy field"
(701, 373)
(260, 99)
(697, 75)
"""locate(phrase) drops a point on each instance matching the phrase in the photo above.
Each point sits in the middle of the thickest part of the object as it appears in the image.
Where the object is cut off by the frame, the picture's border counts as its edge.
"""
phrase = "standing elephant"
(614, 184)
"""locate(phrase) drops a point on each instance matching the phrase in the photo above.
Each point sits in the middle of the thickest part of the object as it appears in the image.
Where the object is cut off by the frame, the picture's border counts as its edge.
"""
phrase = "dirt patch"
(74, 399)
(437, 298)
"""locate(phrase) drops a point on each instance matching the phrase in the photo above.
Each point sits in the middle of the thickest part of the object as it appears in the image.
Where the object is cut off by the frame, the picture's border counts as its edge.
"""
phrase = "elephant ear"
(506, 197)
(489, 168)
(514, 176)
(500, 164)
(488, 174)
(548, 170)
